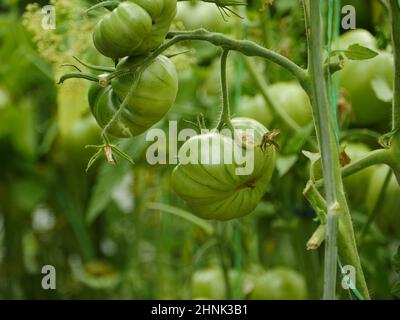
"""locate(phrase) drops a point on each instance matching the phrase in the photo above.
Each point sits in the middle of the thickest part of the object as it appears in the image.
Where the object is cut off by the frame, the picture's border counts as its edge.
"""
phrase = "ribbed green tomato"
(255, 108)
(134, 27)
(152, 97)
(279, 284)
(292, 98)
(362, 79)
(388, 217)
(217, 190)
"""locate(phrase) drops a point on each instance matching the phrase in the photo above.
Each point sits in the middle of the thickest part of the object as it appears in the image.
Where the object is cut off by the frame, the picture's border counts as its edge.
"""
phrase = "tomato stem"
(395, 25)
(225, 117)
(335, 197)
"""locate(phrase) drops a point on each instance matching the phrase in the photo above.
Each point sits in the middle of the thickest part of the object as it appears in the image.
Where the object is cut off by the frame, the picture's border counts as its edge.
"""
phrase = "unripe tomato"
(292, 98)
(357, 36)
(197, 14)
(215, 190)
(279, 284)
(353, 183)
(209, 284)
(135, 27)
(356, 195)
(359, 77)
(255, 108)
(153, 96)
(388, 217)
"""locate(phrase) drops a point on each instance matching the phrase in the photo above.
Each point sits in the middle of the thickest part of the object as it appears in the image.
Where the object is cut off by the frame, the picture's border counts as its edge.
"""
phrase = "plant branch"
(246, 47)
(225, 117)
(381, 156)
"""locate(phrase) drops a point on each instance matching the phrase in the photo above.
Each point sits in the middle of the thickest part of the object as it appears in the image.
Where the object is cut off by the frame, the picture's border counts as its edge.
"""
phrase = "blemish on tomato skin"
(250, 184)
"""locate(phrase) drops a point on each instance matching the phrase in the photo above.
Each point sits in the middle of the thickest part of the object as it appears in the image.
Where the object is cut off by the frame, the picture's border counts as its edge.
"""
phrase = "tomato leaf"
(206, 226)
(359, 52)
(382, 90)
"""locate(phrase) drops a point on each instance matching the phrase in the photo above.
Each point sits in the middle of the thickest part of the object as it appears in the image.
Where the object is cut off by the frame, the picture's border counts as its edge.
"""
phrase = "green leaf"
(206, 226)
(358, 52)
(396, 261)
(382, 90)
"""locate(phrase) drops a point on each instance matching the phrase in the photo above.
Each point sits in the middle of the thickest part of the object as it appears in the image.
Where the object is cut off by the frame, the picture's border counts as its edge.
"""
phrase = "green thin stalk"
(395, 25)
(377, 204)
(221, 257)
(246, 47)
(328, 146)
(381, 156)
(225, 117)
(335, 196)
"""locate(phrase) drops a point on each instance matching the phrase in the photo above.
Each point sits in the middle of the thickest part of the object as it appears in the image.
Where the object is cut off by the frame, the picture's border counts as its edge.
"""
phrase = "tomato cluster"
(134, 28)
(129, 33)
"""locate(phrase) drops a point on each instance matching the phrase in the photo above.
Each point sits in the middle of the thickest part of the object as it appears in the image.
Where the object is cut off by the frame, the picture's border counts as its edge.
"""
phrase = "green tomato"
(255, 108)
(388, 217)
(279, 284)
(217, 189)
(353, 183)
(197, 14)
(134, 27)
(209, 284)
(291, 98)
(364, 81)
(357, 36)
(152, 97)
